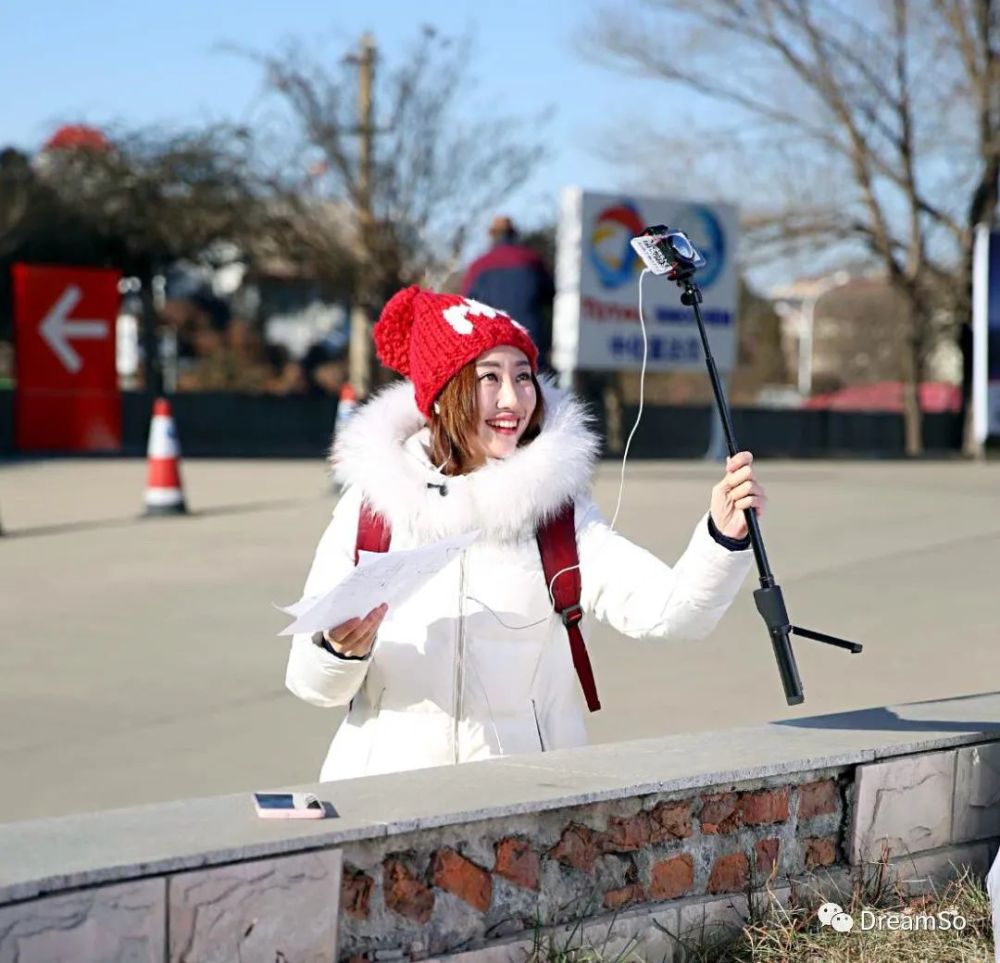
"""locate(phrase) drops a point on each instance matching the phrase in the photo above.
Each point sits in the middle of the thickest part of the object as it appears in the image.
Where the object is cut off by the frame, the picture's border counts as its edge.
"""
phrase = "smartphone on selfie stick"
(288, 805)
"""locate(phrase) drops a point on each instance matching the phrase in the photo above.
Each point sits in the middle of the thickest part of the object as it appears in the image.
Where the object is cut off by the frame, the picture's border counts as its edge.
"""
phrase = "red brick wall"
(510, 875)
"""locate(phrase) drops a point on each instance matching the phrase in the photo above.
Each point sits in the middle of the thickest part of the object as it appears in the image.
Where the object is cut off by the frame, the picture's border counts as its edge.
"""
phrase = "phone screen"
(285, 800)
(274, 800)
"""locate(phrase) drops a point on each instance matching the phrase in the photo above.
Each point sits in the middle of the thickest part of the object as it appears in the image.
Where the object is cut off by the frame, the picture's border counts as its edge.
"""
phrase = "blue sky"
(160, 63)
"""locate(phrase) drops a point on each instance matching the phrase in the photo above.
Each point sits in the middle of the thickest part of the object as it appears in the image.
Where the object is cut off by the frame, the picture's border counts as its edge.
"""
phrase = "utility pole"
(360, 350)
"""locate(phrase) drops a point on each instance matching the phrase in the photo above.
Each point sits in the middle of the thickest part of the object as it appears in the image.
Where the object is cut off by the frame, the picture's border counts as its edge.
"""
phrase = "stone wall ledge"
(42, 857)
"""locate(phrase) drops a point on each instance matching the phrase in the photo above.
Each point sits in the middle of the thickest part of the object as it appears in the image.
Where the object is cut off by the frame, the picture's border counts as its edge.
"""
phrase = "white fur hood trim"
(506, 498)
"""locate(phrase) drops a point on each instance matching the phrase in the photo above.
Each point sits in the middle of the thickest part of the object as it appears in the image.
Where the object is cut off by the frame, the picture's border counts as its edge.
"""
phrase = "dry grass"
(779, 934)
(796, 936)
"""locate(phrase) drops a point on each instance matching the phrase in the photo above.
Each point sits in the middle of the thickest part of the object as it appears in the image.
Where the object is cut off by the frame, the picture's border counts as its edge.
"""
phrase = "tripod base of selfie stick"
(853, 647)
(771, 606)
(770, 602)
(672, 255)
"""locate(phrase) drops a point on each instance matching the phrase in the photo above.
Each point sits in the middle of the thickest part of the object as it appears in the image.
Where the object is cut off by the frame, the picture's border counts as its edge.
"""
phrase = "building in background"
(844, 331)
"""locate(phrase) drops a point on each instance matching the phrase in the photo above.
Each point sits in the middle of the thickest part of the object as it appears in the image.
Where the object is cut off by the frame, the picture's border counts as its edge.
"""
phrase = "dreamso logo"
(832, 915)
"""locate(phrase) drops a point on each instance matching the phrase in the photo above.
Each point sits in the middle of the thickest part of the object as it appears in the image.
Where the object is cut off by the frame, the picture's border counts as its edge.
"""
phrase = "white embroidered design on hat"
(458, 314)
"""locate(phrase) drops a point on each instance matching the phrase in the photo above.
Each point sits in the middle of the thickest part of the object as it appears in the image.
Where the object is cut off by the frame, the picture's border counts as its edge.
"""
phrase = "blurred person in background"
(244, 342)
(285, 373)
(324, 368)
(216, 351)
(200, 342)
(513, 277)
(478, 663)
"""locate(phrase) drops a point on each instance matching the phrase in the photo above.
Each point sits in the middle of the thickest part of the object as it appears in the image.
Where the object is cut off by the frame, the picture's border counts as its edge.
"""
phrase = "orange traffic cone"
(346, 406)
(164, 494)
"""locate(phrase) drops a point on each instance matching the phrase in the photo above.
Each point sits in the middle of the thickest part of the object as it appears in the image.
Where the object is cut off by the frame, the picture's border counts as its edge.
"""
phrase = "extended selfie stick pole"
(770, 602)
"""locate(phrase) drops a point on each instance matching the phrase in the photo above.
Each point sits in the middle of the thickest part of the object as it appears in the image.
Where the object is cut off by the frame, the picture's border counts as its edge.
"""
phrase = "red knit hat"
(429, 338)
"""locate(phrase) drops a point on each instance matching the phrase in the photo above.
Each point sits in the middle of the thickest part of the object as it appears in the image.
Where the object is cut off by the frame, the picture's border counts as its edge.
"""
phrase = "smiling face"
(505, 397)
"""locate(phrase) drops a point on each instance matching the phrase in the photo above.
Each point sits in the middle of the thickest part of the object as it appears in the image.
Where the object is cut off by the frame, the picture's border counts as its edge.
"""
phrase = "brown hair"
(455, 428)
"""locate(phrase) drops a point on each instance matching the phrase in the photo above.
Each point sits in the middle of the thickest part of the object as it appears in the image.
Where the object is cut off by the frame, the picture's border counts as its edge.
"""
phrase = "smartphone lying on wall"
(288, 805)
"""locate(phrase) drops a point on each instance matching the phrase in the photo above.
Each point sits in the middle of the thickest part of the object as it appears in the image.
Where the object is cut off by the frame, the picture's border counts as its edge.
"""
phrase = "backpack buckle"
(571, 615)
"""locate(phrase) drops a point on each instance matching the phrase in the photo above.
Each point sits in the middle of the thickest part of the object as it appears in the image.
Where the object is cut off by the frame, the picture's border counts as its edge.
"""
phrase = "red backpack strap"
(557, 546)
(374, 532)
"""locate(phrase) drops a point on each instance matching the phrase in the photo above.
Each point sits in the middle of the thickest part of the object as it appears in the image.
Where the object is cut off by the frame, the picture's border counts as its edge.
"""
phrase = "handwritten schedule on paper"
(378, 577)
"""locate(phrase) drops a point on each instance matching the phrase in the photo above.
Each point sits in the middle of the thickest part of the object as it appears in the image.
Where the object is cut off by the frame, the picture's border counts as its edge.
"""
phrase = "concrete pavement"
(139, 661)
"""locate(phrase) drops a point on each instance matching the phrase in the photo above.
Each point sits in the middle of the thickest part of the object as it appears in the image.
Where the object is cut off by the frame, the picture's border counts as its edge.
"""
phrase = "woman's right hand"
(356, 637)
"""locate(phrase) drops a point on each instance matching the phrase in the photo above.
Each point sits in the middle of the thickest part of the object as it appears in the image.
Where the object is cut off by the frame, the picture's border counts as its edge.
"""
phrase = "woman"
(477, 663)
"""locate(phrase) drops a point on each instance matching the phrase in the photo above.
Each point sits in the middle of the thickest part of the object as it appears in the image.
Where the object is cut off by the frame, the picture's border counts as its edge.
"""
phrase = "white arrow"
(57, 328)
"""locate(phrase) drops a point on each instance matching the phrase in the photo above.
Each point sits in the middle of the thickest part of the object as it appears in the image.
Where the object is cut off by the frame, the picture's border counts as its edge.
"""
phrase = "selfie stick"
(671, 253)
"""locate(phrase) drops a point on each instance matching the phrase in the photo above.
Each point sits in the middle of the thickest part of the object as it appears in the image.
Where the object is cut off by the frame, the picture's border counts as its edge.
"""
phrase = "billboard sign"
(596, 316)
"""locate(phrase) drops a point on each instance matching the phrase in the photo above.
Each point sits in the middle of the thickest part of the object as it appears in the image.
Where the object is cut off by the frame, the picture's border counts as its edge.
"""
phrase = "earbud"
(437, 408)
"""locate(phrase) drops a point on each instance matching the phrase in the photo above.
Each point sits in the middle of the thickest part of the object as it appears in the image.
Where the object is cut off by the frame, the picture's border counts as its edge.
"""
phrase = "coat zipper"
(460, 657)
(538, 725)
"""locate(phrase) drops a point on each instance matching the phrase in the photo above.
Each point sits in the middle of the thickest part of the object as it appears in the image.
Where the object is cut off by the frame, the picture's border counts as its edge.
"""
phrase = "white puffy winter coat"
(476, 664)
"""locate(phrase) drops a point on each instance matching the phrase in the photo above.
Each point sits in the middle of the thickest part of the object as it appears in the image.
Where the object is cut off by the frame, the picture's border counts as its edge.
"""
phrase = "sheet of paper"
(303, 605)
(378, 577)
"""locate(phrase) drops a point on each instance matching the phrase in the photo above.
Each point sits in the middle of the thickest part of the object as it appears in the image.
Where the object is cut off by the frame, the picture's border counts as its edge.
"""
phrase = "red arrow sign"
(67, 386)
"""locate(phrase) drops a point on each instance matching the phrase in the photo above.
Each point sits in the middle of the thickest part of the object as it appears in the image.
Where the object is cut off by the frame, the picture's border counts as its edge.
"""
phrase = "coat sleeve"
(313, 674)
(637, 594)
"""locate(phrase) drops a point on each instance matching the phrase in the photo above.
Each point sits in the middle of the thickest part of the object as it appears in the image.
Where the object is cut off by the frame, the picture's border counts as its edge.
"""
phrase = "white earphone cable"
(642, 395)
(621, 484)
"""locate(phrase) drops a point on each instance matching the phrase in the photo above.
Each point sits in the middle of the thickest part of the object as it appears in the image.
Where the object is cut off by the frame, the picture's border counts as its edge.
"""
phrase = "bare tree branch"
(435, 173)
(852, 90)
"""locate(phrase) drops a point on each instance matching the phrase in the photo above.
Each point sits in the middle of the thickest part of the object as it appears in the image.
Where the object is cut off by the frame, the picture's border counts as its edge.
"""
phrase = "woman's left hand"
(737, 491)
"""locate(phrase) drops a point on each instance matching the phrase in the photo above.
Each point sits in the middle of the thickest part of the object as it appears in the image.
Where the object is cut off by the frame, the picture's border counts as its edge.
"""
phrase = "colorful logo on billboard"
(703, 227)
(616, 263)
(610, 252)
